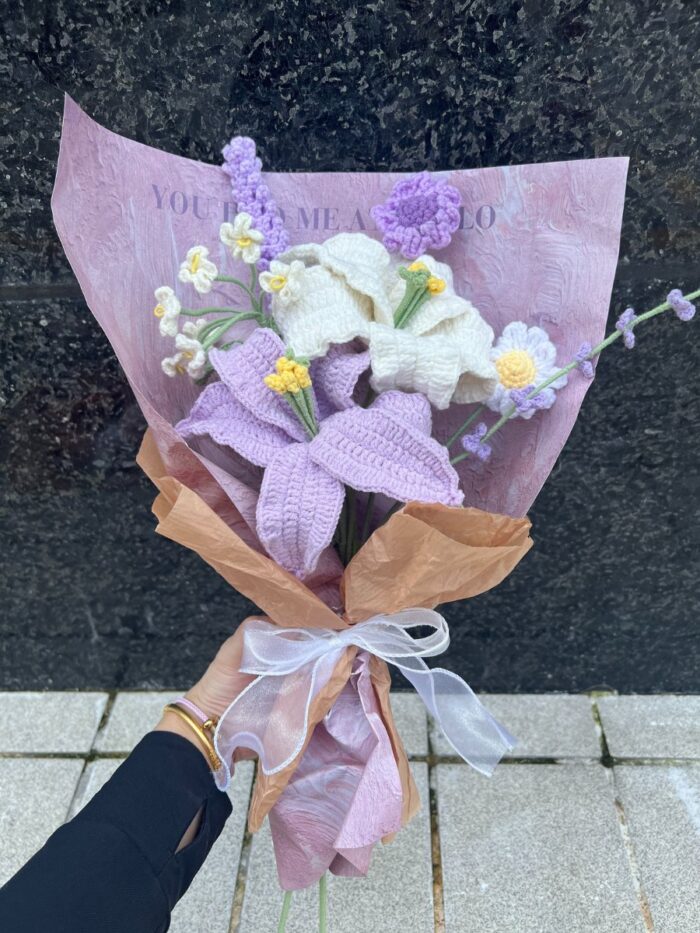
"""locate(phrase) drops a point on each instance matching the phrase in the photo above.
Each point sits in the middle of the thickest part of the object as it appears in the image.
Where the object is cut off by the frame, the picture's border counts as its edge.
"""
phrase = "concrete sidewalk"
(592, 827)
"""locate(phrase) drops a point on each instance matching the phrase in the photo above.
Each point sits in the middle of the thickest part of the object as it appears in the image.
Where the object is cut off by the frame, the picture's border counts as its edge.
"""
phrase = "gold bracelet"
(200, 732)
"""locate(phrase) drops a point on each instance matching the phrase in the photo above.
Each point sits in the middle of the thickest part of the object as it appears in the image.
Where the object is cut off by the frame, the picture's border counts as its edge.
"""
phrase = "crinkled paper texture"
(538, 243)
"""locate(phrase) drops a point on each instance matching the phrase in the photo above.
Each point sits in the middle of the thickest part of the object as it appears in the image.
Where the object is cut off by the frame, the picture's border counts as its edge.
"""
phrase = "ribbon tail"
(468, 726)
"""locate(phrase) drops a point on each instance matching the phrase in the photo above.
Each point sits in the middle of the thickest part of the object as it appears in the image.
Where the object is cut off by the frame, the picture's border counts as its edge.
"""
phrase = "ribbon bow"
(271, 715)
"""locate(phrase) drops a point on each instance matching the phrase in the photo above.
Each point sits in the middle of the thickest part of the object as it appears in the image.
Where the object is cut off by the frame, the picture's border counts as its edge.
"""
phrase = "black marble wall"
(89, 595)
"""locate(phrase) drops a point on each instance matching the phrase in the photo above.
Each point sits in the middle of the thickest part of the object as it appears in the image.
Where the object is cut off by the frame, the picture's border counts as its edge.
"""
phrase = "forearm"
(124, 861)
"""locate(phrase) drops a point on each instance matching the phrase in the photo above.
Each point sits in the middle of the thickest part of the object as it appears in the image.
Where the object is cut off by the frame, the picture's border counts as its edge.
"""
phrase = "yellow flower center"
(516, 369)
(277, 282)
(244, 241)
(290, 376)
(159, 310)
(435, 285)
(194, 264)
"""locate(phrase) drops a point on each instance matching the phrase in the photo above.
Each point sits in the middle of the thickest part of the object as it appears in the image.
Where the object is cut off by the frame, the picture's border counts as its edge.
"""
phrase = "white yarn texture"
(350, 289)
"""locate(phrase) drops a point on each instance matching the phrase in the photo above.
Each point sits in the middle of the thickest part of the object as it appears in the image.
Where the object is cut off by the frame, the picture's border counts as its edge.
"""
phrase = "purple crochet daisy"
(386, 448)
(421, 214)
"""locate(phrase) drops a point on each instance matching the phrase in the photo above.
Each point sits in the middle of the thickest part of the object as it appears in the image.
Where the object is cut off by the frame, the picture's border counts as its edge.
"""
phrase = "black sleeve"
(113, 868)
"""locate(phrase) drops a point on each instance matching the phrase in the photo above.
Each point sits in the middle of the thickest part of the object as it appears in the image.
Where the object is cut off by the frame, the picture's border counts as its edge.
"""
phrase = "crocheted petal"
(373, 451)
(243, 370)
(326, 311)
(336, 374)
(359, 260)
(298, 509)
(218, 414)
(407, 407)
(474, 339)
(400, 360)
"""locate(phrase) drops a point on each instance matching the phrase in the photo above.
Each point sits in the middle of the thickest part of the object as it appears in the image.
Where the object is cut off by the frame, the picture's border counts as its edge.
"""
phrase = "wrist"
(186, 718)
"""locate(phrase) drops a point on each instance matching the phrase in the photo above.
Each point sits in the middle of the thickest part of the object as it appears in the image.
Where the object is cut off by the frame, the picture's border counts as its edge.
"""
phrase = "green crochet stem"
(286, 904)
(415, 295)
(298, 401)
(474, 415)
(323, 904)
(610, 339)
(212, 331)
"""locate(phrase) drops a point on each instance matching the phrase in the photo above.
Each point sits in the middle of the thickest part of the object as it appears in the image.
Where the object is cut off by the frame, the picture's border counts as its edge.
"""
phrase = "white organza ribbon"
(291, 666)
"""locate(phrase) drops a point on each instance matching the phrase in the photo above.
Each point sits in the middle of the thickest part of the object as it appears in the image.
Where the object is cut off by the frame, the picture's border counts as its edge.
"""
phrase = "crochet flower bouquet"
(355, 386)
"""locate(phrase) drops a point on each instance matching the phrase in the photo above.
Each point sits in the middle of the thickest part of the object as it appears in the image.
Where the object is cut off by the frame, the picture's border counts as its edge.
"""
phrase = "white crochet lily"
(524, 357)
(283, 280)
(242, 238)
(351, 289)
(191, 356)
(198, 270)
(167, 310)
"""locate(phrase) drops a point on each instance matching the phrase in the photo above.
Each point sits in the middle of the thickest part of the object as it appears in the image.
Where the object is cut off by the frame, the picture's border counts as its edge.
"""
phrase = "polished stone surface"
(91, 597)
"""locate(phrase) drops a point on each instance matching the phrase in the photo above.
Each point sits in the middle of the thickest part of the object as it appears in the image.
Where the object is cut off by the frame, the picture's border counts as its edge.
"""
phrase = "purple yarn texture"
(253, 196)
(624, 321)
(519, 397)
(473, 443)
(386, 448)
(684, 309)
(420, 215)
(583, 364)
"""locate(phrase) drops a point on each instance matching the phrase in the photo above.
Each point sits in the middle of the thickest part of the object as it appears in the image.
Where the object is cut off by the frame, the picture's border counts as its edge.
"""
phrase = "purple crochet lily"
(420, 215)
(386, 448)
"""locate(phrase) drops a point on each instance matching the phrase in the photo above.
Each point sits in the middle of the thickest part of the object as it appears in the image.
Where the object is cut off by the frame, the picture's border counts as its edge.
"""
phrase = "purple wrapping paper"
(538, 243)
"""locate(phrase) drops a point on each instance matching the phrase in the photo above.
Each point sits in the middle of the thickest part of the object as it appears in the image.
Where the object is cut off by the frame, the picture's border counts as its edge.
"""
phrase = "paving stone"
(49, 722)
(411, 721)
(36, 794)
(651, 726)
(207, 904)
(395, 897)
(546, 725)
(535, 849)
(662, 806)
(132, 716)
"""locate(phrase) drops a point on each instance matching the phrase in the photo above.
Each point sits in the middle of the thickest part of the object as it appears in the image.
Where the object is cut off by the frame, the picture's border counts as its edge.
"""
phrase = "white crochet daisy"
(191, 356)
(524, 357)
(283, 281)
(167, 310)
(242, 238)
(198, 270)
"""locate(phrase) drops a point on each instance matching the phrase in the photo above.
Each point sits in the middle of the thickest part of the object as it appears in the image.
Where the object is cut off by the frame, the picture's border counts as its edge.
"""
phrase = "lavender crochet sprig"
(681, 305)
(625, 324)
(252, 195)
